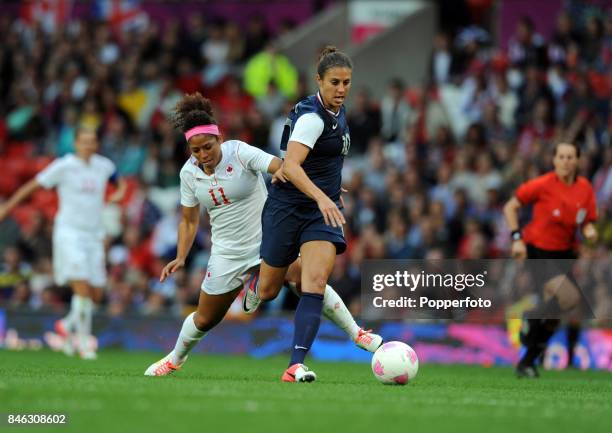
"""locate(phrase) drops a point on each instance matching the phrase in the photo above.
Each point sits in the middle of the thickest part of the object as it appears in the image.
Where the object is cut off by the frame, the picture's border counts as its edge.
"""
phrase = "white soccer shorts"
(224, 275)
(78, 256)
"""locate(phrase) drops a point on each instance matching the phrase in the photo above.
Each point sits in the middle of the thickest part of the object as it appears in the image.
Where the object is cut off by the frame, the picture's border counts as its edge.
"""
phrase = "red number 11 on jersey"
(214, 197)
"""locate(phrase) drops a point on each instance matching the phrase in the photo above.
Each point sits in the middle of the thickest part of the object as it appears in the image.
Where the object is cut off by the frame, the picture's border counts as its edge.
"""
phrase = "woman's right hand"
(331, 213)
(171, 268)
(519, 250)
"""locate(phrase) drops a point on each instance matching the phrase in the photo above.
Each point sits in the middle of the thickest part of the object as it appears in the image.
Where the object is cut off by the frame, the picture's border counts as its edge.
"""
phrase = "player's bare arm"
(296, 154)
(22, 193)
(276, 170)
(190, 219)
(511, 211)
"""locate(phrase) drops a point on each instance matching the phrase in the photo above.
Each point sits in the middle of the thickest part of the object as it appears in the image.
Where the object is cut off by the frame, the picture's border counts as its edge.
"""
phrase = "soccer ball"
(395, 363)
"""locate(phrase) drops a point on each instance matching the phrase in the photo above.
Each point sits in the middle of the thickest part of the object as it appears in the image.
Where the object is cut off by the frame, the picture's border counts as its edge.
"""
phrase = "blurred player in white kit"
(78, 234)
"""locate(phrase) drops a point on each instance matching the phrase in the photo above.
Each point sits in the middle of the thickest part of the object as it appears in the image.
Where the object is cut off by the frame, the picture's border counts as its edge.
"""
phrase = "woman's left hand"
(279, 176)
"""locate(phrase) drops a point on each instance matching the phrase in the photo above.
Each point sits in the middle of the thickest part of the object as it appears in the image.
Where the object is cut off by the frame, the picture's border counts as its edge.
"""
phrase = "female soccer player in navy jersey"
(225, 177)
(563, 202)
(303, 216)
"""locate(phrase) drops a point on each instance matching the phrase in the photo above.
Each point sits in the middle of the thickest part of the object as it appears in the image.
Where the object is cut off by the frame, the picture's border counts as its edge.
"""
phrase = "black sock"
(307, 321)
(573, 333)
(536, 338)
(530, 356)
(549, 326)
(529, 331)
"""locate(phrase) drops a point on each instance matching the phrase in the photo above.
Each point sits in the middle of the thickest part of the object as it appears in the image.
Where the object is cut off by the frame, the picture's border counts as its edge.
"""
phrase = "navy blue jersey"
(323, 165)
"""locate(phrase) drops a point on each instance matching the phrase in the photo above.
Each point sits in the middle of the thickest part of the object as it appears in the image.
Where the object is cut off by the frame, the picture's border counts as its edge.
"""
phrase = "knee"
(204, 322)
(82, 288)
(314, 283)
(266, 292)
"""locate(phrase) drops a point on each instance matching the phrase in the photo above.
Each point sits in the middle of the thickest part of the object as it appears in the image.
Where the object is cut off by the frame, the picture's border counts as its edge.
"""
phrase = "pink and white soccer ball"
(395, 363)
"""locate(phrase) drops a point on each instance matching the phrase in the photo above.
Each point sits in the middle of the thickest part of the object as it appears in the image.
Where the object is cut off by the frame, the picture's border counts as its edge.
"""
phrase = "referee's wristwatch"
(516, 235)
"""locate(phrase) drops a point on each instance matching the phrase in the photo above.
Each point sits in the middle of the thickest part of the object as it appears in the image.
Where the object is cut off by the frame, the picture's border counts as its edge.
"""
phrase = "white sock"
(187, 339)
(335, 310)
(88, 316)
(84, 312)
(71, 318)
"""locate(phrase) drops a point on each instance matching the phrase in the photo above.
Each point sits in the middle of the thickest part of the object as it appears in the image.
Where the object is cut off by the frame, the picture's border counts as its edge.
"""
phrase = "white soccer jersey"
(234, 197)
(81, 186)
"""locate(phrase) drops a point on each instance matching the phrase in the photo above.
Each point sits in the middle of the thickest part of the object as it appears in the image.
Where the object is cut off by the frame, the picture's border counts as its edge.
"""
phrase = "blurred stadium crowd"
(430, 164)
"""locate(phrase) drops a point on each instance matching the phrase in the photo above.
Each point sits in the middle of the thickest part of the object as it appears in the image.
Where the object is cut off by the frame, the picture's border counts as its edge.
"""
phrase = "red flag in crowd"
(121, 14)
(50, 14)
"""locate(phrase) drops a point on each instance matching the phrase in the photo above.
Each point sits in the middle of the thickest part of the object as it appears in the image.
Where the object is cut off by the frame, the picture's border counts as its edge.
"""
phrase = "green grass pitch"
(237, 394)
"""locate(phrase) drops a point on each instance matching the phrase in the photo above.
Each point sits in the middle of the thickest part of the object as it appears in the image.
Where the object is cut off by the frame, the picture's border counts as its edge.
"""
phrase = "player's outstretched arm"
(190, 219)
(292, 168)
(21, 194)
(276, 170)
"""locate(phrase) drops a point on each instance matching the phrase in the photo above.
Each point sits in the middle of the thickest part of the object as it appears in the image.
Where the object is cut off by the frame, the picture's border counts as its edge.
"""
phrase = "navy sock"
(307, 321)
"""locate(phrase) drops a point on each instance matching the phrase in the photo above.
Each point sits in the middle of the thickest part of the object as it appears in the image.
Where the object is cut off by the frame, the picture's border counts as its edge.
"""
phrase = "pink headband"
(202, 129)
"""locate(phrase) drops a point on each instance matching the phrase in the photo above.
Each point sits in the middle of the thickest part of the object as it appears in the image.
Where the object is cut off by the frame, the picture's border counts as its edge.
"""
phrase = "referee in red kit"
(562, 203)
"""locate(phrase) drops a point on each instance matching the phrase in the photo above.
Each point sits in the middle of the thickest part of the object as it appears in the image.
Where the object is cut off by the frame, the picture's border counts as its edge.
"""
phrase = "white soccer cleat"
(163, 367)
(68, 347)
(88, 355)
(367, 340)
(298, 373)
(251, 299)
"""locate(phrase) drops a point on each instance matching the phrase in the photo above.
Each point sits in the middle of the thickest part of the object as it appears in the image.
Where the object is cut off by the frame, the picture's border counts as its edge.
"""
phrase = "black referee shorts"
(545, 264)
(550, 264)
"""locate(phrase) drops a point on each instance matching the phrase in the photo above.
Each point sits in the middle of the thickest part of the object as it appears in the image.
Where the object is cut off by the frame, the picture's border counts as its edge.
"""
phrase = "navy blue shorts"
(286, 227)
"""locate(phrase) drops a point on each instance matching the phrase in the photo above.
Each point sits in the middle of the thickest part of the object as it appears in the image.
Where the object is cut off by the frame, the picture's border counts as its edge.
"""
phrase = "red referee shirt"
(558, 210)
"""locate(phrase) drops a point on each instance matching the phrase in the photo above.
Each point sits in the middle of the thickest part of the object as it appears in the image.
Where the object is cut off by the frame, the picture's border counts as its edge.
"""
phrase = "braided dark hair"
(331, 57)
(191, 111)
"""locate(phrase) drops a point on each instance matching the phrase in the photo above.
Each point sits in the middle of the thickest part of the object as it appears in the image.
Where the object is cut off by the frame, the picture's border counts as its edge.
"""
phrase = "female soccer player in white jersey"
(225, 177)
(78, 234)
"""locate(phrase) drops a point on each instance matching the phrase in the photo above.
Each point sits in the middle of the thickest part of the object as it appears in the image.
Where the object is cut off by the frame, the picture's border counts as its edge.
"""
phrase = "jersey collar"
(326, 109)
(558, 179)
(81, 160)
